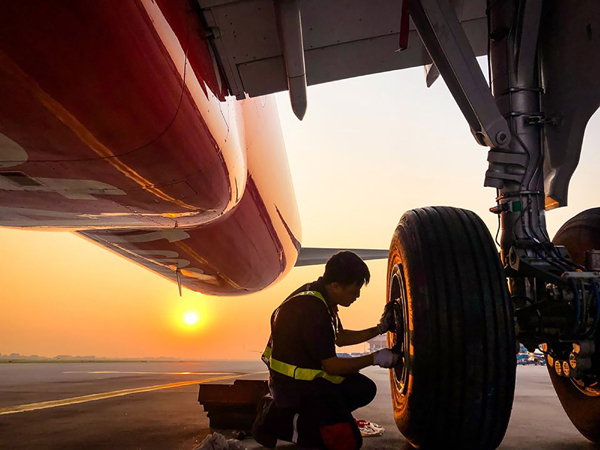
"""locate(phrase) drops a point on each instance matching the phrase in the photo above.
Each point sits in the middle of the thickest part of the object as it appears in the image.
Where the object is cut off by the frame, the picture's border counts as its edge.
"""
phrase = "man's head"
(345, 273)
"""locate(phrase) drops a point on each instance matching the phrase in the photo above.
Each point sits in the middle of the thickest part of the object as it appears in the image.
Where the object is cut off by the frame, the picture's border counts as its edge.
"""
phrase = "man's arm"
(387, 323)
(350, 337)
(347, 366)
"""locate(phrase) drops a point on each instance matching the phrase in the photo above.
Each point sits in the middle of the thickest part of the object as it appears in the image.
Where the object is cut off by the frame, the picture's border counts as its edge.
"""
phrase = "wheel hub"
(575, 365)
(399, 340)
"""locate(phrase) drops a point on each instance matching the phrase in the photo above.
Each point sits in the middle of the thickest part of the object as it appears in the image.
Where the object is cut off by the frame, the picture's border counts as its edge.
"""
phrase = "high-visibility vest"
(295, 372)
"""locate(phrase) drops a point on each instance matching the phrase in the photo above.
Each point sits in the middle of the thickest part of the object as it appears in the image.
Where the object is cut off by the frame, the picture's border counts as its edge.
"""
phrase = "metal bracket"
(431, 74)
(526, 264)
(447, 44)
(539, 119)
(289, 25)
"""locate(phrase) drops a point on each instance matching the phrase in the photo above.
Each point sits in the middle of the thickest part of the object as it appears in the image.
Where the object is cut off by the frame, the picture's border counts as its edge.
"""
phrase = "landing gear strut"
(456, 318)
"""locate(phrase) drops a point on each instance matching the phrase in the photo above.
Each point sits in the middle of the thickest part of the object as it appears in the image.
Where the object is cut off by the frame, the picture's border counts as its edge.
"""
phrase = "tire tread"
(464, 395)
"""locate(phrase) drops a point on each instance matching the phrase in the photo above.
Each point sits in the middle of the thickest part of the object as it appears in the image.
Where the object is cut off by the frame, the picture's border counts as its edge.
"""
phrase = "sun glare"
(190, 318)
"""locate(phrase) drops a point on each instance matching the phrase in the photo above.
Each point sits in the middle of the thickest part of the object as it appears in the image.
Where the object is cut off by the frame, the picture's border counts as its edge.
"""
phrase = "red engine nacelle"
(114, 123)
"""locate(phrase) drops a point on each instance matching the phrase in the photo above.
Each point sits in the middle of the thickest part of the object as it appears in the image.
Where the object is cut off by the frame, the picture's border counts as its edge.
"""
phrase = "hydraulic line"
(516, 86)
(577, 302)
(591, 333)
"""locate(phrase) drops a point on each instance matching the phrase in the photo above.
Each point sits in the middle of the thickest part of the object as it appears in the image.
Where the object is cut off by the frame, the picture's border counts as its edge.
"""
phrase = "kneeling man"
(313, 391)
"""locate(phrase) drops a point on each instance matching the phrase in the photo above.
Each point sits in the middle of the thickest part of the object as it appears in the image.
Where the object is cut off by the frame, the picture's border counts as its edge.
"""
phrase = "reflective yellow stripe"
(282, 368)
(295, 372)
(266, 356)
(298, 373)
(268, 352)
(314, 294)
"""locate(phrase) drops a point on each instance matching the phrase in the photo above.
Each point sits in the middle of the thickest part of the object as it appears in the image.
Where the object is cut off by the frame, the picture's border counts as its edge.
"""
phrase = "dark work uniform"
(303, 334)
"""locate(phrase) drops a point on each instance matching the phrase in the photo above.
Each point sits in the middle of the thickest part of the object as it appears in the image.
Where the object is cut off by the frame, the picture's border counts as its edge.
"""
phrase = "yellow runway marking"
(102, 396)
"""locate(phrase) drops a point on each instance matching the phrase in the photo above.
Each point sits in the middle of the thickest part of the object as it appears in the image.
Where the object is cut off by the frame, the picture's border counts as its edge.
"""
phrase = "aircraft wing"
(265, 46)
(310, 256)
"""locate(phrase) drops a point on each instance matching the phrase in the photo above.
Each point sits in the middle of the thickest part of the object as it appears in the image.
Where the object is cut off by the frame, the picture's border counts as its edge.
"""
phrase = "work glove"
(385, 358)
(388, 321)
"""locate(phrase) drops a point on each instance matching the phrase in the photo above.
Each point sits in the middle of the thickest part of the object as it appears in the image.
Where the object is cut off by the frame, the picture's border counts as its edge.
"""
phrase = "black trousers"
(323, 404)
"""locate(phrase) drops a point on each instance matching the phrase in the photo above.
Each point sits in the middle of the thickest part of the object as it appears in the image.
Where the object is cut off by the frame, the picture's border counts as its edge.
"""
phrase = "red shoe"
(339, 436)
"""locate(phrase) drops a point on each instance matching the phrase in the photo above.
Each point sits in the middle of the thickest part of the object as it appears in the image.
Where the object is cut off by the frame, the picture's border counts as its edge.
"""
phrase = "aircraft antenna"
(178, 275)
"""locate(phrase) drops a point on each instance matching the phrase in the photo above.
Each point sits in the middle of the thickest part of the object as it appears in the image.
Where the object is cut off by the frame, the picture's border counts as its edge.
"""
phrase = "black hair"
(346, 268)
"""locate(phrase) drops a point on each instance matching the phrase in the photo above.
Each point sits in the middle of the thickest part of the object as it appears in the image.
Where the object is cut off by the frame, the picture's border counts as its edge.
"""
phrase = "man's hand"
(346, 366)
(388, 321)
(385, 358)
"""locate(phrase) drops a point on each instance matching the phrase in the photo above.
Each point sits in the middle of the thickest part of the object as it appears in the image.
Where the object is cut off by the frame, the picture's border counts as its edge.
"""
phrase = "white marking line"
(151, 373)
(105, 395)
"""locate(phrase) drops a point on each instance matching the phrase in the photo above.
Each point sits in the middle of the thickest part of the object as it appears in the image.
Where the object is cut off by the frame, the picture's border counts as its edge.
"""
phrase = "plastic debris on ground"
(369, 429)
(216, 441)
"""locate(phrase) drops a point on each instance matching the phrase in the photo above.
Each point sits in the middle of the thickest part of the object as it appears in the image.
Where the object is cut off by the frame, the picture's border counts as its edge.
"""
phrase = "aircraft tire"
(455, 382)
(579, 234)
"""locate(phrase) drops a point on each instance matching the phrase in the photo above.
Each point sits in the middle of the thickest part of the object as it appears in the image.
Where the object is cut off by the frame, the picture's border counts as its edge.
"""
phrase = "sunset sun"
(190, 318)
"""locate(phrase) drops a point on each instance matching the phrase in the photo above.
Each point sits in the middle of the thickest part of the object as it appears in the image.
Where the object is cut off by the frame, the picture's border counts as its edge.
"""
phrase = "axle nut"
(566, 369)
(579, 363)
(558, 367)
(573, 360)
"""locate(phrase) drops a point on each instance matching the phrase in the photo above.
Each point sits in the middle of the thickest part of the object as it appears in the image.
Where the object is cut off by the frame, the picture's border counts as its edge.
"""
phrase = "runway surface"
(154, 406)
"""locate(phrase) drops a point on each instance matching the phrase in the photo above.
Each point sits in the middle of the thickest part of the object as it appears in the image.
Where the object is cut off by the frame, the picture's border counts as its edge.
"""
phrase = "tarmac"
(153, 405)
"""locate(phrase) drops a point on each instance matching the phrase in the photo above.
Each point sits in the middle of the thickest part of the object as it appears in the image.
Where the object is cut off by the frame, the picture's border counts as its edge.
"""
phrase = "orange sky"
(367, 150)
(66, 296)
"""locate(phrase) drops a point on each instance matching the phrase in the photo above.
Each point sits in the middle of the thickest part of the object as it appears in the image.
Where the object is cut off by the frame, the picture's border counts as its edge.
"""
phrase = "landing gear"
(580, 396)
(455, 331)
(456, 380)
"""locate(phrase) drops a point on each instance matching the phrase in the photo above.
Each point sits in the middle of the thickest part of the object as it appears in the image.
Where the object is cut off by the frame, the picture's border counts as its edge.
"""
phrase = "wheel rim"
(399, 340)
(579, 234)
(588, 386)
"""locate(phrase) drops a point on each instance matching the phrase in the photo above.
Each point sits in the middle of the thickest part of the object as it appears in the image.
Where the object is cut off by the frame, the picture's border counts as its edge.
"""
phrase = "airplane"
(149, 128)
